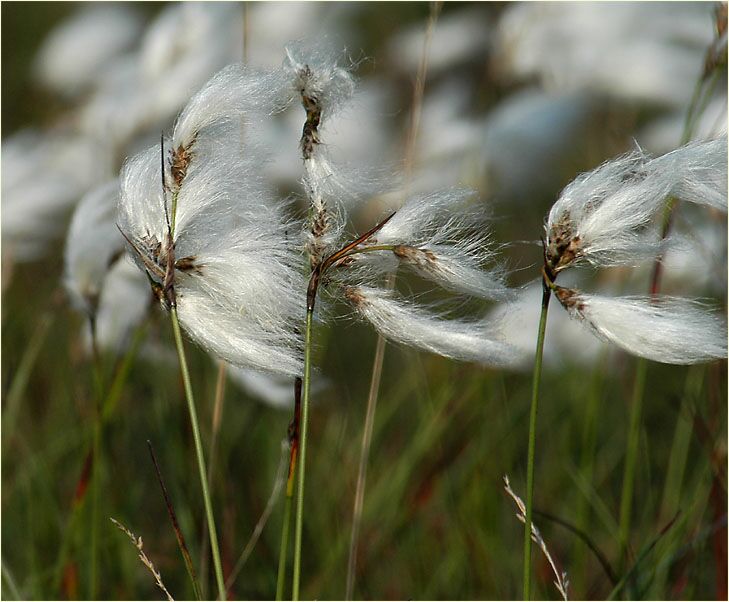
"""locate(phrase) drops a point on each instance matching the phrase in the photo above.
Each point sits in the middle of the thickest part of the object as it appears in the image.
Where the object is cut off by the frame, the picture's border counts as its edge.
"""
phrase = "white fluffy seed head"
(603, 215)
(314, 73)
(237, 272)
(405, 323)
(606, 216)
(670, 330)
(92, 243)
(237, 92)
(442, 240)
(698, 171)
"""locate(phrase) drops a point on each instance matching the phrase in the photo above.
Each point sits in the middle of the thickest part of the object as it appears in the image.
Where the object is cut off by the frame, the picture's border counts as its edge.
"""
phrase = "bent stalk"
(199, 454)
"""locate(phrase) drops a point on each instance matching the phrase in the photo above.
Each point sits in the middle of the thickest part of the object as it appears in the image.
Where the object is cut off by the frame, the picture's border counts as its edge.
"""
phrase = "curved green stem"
(199, 453)
(546, 294)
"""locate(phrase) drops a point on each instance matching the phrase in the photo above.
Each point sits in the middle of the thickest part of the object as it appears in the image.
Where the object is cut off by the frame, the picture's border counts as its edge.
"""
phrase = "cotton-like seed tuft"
(606, 216)
(670, 330)
(437, 236)
(237, 277)
(405, 323)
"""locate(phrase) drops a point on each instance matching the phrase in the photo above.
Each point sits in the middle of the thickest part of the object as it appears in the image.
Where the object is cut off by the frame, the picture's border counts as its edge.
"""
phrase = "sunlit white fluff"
(664, 329)
(403, 322)
(443, 240)
(44, 174)
(317, 74)
(240, 294)
(322, 87)
(92, 243)
(604, 216)
(699, 171)
(81, 47)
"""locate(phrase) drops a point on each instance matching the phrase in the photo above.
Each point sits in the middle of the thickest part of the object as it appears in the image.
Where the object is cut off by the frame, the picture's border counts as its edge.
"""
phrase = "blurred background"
(518, 99)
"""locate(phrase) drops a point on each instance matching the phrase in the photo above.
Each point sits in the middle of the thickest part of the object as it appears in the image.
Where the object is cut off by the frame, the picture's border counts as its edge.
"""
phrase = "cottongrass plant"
(213, 243)
(435, 235)
(607, 217)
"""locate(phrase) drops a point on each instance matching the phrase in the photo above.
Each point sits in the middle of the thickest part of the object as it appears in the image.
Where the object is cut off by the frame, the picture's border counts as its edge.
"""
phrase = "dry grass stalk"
(137, 541)
(561, 582)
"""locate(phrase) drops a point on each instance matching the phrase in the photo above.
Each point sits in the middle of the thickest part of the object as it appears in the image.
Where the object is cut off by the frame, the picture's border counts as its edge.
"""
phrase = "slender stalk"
(631, 456)
(363, 458)
(212, 453)
(199, 453)
(298, 529)
(284, 542)
(546, 295)
(294, 428)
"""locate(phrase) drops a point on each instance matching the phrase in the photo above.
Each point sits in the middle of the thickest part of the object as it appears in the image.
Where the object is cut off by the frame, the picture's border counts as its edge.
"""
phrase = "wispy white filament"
(322, 87)
(405, 323)
(665, 329)
(607, 216)
(440, 238)
(699, 172)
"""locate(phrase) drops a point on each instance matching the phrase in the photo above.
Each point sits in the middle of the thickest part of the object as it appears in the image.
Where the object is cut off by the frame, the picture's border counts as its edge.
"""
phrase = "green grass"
(436, 523)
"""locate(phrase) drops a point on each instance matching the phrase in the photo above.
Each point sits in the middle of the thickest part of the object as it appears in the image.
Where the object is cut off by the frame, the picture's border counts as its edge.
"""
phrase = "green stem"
(546, 294)
(631, 456)
(199, 453)
(363, 458)
(298, 530)
(284, 544)
(212, 453)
